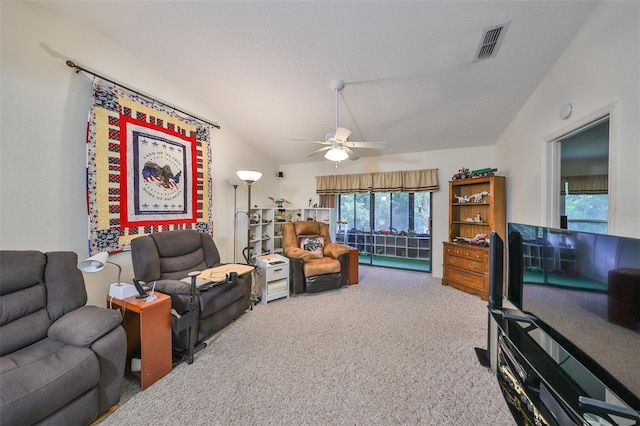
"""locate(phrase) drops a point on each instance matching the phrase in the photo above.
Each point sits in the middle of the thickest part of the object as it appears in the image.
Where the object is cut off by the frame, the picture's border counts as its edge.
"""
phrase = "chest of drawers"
(466, 268)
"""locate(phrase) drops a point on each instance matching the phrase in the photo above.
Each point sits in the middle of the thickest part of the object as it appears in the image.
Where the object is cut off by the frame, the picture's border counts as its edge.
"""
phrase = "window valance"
(402, 181)
(594, 184)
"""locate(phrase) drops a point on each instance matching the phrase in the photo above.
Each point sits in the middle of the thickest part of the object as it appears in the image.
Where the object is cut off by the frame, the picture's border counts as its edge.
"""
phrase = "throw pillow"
(313, 244)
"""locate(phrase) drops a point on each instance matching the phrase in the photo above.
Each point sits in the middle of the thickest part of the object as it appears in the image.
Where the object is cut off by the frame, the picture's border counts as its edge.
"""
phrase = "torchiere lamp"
(235, 181)
(249, 177)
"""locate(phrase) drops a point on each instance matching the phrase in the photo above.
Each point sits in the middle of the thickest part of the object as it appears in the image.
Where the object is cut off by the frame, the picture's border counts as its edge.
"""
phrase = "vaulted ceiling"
(266, 68)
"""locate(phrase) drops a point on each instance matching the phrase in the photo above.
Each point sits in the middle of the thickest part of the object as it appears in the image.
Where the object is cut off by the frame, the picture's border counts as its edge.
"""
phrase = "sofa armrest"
(298, 253)
(173, 287)
(334, 250)
(84, 325)
(296, 276)
(180, 291)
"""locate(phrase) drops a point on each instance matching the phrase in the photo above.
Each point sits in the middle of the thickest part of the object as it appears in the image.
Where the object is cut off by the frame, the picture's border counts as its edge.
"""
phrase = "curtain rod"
(78, 68)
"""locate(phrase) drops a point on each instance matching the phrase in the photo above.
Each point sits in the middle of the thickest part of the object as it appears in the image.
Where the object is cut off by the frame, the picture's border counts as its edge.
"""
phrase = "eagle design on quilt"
(152, 172)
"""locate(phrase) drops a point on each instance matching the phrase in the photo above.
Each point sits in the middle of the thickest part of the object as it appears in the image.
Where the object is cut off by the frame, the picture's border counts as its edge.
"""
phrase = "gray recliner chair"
(166, 258)
(61, 362)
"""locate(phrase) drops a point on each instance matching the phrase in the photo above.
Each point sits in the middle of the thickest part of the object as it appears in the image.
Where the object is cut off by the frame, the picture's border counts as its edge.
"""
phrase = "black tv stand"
(510, 314)
(545, 385)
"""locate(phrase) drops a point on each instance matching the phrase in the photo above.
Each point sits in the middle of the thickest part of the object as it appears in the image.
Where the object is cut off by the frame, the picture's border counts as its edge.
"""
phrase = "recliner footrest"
(324, 282)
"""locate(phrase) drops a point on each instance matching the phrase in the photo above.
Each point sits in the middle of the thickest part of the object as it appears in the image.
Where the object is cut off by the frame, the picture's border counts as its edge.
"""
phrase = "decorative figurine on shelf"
(477, 198)
(309, 202)
(478, 239)
(255, 218)
(463, 199)
(279, 201)
(488, 171)
(462, 174)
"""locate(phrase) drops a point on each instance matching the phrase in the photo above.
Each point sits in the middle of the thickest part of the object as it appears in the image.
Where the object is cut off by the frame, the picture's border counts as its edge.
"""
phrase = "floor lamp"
(249, 177)
(235, 181)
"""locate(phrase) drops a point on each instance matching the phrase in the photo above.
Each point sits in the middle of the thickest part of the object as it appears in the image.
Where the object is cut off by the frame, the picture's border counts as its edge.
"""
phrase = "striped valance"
(402, 181)
(594, 184)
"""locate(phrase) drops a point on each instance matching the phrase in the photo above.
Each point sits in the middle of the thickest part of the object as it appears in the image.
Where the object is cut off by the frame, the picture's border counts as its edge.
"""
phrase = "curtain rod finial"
(71, 64)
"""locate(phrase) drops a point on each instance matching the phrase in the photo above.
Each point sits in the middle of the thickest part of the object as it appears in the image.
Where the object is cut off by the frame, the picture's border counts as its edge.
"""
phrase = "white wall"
(298, 190)
(598, 69)
(44, 107)
(43, 121)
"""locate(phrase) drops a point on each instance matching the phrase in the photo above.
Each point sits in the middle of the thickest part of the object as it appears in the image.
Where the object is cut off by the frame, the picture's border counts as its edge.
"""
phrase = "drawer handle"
(454, 261)
(473, 266)
(277, 270)
(461, 278)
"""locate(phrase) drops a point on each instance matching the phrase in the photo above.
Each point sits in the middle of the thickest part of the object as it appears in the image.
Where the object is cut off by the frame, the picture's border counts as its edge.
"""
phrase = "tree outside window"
(587, 212)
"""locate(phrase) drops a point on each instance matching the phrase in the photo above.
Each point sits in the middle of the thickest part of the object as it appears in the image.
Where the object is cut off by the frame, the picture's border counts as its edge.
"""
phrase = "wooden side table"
(148, 327)
(353, 265)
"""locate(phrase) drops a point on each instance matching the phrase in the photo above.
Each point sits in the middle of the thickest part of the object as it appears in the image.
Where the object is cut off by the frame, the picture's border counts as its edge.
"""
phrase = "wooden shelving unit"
(466, 266)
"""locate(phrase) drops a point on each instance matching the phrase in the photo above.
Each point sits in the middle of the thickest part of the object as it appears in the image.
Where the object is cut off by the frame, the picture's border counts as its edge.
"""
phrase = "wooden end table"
(148, 328)
(353, 265)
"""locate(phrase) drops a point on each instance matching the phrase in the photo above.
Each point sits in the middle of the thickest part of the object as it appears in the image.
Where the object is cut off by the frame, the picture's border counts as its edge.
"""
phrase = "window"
(421, 212)
(355, 210)
(382, 211)
(400, 211)
(587, 212)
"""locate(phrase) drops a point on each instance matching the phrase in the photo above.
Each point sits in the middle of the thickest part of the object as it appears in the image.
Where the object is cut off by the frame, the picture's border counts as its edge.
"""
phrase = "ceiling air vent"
(491, 40)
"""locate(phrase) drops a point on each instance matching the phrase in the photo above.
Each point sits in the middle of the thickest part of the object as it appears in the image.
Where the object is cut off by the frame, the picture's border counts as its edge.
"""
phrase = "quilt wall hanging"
(148, 169)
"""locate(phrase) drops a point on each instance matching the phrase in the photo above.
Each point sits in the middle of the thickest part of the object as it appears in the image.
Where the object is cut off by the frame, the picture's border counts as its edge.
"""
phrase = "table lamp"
(96, 263)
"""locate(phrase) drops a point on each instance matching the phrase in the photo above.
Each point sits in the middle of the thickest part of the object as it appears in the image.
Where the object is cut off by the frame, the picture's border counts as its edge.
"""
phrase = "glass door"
(388, 229)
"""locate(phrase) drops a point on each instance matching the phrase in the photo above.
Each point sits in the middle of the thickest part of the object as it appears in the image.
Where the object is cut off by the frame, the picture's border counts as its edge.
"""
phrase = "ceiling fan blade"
(342, 134)
(357, 144)
(312, 141)
(352, 155)
(317, 151)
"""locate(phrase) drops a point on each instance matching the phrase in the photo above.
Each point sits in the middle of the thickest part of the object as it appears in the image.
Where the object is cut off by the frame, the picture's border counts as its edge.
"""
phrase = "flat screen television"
(583, 290)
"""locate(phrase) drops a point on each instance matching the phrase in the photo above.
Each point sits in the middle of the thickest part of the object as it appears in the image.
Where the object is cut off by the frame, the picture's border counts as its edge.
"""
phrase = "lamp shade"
(249, 175)
(94, 263)
(234, 181)
(336, 154)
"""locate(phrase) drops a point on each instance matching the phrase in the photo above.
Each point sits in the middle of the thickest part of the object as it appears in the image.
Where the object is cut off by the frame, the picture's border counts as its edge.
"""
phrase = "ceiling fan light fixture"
(336, 154)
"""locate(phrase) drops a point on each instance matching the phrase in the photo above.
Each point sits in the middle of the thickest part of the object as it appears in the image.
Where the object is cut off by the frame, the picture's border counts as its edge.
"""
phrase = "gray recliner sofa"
(61, 362)
(165, 258)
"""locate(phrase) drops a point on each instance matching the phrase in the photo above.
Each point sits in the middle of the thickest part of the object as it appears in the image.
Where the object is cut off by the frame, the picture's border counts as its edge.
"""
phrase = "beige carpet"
(398, 348)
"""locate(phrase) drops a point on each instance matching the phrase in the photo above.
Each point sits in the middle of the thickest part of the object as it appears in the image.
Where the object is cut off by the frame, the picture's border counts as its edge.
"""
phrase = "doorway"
(589, 151)
(584, 171)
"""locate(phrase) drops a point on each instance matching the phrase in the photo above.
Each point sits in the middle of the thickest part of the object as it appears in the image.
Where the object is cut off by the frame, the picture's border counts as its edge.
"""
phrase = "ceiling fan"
(338, 147)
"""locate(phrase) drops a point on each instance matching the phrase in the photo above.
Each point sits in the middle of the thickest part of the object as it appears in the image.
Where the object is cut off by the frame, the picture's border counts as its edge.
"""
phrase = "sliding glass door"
(388, 229)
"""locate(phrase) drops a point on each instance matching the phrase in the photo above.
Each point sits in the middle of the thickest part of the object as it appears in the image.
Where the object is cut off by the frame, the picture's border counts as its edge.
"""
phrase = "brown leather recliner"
(168, 257)
(312, 271)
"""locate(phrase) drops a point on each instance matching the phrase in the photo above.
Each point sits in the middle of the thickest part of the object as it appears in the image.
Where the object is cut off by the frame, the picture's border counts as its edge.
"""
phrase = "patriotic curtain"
(148, 169)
